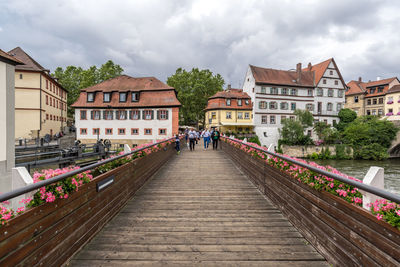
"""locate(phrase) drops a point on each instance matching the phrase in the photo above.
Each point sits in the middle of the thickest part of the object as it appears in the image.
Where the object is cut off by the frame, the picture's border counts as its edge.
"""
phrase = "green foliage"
(75, 78)
(319, 127)
(330, 135)
(346, 116)
(342, 151)
(292, 131)
(370, 137)
(255, 140)
(194, 88)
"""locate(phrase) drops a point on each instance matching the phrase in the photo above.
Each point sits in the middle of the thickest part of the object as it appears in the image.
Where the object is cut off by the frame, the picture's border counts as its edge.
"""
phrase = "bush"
(372, 151)
(255, 140)
(343, 152)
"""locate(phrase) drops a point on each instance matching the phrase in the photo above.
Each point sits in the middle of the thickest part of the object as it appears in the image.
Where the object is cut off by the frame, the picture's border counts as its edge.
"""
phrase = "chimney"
(378, 78)
(359, 79)
(309, 66)
(298, 70)
(229, 87)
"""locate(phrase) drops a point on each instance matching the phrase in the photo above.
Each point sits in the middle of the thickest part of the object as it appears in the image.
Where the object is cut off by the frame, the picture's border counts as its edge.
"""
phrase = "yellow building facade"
(392, 100)
(230, 111)
(40, 101)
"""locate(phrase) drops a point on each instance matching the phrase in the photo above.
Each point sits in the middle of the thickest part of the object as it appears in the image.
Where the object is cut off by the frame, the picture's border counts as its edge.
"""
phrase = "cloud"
(156, 37)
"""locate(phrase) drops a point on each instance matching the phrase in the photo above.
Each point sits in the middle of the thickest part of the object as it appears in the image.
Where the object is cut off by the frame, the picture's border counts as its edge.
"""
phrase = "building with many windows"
(230, 110)
(127, 110)
(40, 101)
(276, 94)
(392, 103)
(368, 98)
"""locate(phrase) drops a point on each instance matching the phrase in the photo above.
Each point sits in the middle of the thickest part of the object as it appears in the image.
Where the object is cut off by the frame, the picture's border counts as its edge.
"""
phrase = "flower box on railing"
(389, 102)
(398, 101)
(389, 114)
(398, 113)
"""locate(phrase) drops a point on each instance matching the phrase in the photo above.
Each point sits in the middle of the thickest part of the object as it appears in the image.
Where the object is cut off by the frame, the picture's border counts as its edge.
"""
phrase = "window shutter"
(152, 114)
(130, 114)
(158, 114)
(166, 114)
(126, 114)
(138, 112)
(117, 114)
(143, 114)
(104, 114)
(91, 115)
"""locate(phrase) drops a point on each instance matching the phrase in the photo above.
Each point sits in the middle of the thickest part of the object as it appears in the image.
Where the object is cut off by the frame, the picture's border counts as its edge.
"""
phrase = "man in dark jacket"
(215, 137)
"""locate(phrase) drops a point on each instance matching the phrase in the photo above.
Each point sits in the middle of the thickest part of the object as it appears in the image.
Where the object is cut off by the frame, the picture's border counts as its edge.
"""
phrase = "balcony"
(326, 113)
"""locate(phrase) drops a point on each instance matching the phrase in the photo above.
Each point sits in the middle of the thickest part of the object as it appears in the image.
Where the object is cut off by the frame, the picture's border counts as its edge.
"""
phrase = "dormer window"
(90, 97)
(239, 102)
(122, 97)
(135, 96)
(247, 102)
(106, 97)
(228, 102)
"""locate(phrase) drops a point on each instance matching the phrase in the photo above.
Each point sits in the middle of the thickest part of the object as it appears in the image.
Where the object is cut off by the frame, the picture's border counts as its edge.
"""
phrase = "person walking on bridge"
(206, 138)
(215, 138)
(192, 138)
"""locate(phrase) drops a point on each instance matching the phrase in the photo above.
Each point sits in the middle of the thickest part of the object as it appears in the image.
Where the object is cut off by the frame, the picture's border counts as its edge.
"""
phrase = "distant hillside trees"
(75, 78)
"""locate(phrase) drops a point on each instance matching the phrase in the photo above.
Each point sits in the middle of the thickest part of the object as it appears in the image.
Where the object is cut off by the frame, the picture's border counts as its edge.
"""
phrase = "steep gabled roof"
(128, 83)
(394, 89)
(282, 77)
(319, 69)
(9, 59)
(29, 63)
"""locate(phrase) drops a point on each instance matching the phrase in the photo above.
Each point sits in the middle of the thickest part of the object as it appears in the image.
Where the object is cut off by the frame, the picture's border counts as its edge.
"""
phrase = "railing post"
(127, 149)
(20, 178)
(374, 177)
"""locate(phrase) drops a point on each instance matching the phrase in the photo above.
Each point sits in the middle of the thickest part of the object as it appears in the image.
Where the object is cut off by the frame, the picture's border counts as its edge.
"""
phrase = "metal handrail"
(368, 188)
(28, 188)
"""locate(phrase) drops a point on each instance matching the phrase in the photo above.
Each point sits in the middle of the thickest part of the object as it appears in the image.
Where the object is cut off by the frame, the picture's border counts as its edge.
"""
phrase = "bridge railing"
(368, 188)
(52, 232)
(344, 233)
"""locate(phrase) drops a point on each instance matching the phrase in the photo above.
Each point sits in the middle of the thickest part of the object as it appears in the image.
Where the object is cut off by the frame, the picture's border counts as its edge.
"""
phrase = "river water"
(359, 168)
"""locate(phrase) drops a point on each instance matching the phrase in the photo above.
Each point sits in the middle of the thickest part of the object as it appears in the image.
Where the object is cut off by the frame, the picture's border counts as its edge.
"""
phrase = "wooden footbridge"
(208, 208)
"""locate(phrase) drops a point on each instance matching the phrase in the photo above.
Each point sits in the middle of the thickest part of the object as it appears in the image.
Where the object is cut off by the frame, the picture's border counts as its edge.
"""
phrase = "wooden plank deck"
(199, 209)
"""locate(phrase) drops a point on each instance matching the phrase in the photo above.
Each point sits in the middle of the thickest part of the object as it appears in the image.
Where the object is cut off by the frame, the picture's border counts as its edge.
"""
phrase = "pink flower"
(379, 217)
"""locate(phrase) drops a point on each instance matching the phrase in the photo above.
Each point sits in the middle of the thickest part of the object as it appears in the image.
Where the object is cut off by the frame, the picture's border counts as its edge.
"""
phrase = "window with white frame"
(262, 104)
(90, 97)
(310, 107)
(148, 114)
(247, 115)
(95, 115)
(121, 114)
(338, 106)
(240, 115)
(228, 102)
(330, 92)
(293, 106)
(273, 105)
(293, 91)
(320, 92)
(264, 119)
(122, 97)
(163, 114)
(274, 91)
(263, 90)
(329, 106)
(247, 102)
(284, 105)
(239, 102)
(340, 93)
(272, 119)
(108, 114)
(229, 115)
(284, 91)
(106, 97)
(135, 96)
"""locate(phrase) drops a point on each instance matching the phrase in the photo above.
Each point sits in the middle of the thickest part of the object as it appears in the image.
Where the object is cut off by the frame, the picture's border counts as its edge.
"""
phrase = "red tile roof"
(153, 93)
(319, 69)
(231, 93)
(29, 63)
(380, 82)
(282, 77)
(126, 83)
(7, 57)
(218, 101)
(355, 88)
(394, 89)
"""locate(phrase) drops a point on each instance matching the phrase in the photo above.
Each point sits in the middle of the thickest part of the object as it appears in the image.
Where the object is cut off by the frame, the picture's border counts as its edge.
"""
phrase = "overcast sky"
(154, 38)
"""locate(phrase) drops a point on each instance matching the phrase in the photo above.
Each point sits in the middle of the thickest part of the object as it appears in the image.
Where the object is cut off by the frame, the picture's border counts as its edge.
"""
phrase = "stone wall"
(303, 151)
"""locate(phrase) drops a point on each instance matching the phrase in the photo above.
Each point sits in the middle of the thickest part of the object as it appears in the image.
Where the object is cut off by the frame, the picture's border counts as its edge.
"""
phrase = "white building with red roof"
(276, 94)
(127, 110)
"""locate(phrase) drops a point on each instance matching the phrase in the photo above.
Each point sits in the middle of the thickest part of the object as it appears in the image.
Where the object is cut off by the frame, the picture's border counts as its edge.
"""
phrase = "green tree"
(194, 88)
(330, 135)
(292, 131)
(367, 133)
(319, 127)
(346, 116)
(75, 78)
